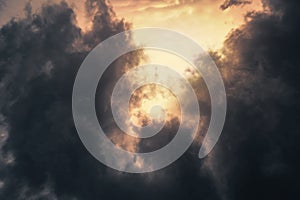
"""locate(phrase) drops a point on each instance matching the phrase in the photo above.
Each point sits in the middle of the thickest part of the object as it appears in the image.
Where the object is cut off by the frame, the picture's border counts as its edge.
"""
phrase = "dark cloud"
(257, 156)
(42, 157)
(230, 3)
(40, 56)
(2, 4)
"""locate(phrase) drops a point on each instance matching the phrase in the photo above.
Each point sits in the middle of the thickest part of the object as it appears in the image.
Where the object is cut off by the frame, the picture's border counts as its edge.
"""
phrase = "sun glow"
(203, 20)
(153, 101)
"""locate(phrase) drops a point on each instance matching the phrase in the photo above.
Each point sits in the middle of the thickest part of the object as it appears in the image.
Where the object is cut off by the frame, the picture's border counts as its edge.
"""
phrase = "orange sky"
(202, 20)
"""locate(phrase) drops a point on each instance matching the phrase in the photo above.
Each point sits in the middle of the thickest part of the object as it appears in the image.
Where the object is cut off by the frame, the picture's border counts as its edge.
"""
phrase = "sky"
(255, 47)
(210, 22)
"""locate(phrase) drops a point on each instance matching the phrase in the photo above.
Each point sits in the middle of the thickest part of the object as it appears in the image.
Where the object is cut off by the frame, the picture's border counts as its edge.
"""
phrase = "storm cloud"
(40, 55)
(257, 156)
(41, 154)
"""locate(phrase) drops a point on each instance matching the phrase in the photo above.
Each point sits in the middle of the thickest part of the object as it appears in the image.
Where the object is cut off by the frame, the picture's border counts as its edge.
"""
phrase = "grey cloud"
(255, 158)
(230, 3)
(39, 57)
(2, 4)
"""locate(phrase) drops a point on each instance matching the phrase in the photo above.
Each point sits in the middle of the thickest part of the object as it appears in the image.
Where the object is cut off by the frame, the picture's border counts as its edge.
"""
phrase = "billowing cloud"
(41, 154)
(257, 155)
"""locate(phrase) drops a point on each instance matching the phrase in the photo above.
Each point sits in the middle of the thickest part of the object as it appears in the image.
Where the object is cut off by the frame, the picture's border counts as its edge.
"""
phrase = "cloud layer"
(43, 158)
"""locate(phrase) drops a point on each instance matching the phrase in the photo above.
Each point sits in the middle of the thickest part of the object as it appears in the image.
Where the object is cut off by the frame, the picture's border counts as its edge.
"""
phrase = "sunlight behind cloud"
(203, 21)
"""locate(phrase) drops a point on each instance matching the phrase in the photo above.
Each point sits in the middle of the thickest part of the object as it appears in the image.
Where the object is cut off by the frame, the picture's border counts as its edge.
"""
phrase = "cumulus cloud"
(256, 157)
(41, 154)
(39, 57)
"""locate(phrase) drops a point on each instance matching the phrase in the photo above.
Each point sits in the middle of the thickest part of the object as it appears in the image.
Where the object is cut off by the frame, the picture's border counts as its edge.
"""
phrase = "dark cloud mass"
(40, 55)
(41, 156)
(2, 3)
(259, 146)
(229, 3)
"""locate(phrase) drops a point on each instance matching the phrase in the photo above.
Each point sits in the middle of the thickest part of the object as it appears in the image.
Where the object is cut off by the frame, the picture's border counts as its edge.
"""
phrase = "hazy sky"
(203, 20)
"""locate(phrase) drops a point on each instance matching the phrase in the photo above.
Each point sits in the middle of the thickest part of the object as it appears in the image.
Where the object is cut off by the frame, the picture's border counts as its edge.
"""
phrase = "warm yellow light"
(203, 20)
(153, 101)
